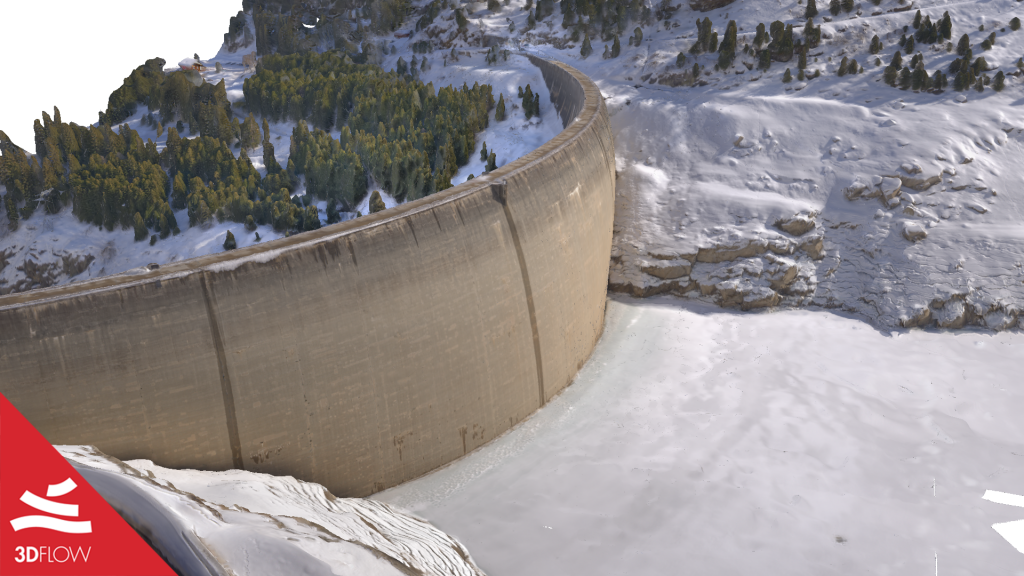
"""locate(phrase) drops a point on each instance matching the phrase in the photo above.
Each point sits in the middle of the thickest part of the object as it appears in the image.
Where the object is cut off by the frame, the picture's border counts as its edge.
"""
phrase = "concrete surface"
(357, 356)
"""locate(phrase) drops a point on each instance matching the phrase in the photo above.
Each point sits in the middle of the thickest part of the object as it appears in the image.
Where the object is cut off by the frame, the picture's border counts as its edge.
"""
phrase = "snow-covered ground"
(254, 524)
(703, 441)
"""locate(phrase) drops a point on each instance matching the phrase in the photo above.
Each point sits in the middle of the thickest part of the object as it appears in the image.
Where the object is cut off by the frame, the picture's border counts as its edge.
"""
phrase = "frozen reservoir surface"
(702, 441)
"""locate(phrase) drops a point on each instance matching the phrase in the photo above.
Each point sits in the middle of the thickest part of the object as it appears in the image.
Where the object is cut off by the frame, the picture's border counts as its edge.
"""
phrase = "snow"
(703, 441)
(256, 524)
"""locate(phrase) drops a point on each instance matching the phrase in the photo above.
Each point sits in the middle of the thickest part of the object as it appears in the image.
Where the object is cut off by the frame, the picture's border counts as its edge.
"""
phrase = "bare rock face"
(797, 225)
(914, 232)
(922, 317)
(706, 5)
(667, 270)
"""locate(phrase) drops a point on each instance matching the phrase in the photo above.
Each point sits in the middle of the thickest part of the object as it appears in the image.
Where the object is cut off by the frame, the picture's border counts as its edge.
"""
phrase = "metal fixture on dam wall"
(357, 356)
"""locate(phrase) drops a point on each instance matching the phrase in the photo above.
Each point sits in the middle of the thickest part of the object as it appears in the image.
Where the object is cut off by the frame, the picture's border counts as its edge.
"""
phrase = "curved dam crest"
(356, 356)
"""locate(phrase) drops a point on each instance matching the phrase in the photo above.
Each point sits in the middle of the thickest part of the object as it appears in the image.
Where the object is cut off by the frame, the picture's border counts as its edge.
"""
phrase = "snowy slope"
(238, 522)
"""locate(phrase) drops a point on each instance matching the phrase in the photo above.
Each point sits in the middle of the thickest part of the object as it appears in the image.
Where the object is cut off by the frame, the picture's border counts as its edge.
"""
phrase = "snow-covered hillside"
(239, 522)
(48, 250)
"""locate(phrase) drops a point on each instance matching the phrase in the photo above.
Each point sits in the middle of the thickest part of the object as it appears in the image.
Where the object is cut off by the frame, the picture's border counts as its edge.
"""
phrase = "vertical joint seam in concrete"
(225, 378)
(500, 192)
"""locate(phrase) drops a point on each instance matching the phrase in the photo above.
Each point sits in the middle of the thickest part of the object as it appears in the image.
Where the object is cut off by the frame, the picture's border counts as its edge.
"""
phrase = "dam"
(357, 356)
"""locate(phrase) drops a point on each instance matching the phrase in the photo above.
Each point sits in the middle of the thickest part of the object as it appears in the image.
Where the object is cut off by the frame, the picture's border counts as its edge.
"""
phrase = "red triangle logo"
(51, 521)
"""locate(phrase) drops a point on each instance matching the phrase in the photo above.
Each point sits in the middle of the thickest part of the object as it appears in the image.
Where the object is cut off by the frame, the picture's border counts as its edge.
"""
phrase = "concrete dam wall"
(357, 356)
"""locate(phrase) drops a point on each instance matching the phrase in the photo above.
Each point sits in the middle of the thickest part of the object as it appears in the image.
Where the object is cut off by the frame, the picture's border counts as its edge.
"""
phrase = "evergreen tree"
(680, 60)
(801, 62)
(250, 133)
(917, 20)
(963, 45)
(890, 75)
(376, 203)
(141, 232)
(834, 7)
(586, 50)
(492, 162)
(727, 50)
(787, 76)
(842, 67)
(847, 5)
(812, 10)
(905, 78)
(1014, 24)
(897, 60)
(946, 27)
(800, 76)
(638, 36)
(460, 19)
(909, 46)
(229, 241)
(759, 36)
(536, 105)
(999, 82)
(765, 59)
(616, 47)
(499, 111)
(876, 44)
(483, 152)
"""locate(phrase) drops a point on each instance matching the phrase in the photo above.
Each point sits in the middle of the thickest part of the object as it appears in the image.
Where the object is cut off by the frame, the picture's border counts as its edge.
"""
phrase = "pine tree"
(946, 27)
(909, 46)
(842, 67)
(812, 9)
(801, 62)
(638, 37)
(759, 36)
(460, 19)
(586, 49)
(376, 203)
(999, 82)
(141, 232)
(876, 45)
(905, 78)
(616, 47)
(492, 162)
(963, 45)
(890, 75)
(765, 59)
(499, 111)
(1014, 24)
(681, 60)
(727, 50)
(834, 7)
(897, 60)
(787, 76)
(536, 105)
(847, 5)
(229, 241)
(483, 152)
(917, 20)
(800, 76)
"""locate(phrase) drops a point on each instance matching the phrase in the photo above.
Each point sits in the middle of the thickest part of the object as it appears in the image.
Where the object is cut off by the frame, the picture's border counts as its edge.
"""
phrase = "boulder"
(797, 225)
(914, 231)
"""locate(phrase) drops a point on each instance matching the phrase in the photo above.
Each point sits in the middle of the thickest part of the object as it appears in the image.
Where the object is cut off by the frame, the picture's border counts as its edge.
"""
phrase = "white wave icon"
(51, 507)
(1013, 532)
